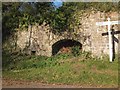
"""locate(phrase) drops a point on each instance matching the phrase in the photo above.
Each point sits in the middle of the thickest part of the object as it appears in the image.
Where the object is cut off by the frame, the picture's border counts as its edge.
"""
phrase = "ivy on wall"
(66, 17)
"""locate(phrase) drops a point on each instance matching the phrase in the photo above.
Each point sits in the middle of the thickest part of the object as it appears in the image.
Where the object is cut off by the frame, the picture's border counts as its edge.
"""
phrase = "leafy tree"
(60, 19)
(66, 17)
(10, 19)
(22, 14)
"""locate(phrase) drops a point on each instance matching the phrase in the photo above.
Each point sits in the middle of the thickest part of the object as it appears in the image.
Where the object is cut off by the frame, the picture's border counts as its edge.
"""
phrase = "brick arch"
(64, 44)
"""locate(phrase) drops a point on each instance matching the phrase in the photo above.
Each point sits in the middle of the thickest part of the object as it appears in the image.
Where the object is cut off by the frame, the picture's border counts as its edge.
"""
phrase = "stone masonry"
(40, 38)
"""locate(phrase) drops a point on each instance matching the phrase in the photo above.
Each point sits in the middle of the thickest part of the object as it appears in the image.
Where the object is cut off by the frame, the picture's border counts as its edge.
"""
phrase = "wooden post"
(109, 23)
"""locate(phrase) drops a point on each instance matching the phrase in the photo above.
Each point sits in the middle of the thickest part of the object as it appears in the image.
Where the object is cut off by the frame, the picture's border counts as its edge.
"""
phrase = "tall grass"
(64, 69)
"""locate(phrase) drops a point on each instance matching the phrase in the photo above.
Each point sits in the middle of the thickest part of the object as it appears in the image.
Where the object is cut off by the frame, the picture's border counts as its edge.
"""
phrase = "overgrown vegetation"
(21, 61)
(65, 18)
(63, 69)
(75, 68)
(66, 68)
(76, 51)
(22, 14)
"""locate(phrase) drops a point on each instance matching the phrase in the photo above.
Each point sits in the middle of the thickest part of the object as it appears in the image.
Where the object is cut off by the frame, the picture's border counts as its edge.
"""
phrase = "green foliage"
(22, 62)
(18, 16)
(76, 51)
(10, 19)
(25, 13)
(22, 14)
(86, 54)
(95, 72)
(66, 18)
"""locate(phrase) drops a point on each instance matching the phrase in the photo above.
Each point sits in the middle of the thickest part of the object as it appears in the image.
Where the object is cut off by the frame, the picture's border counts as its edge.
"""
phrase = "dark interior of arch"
(64, 43)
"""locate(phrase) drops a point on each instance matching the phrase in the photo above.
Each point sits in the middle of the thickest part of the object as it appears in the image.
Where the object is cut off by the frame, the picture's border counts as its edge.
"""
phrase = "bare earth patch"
(8, 83)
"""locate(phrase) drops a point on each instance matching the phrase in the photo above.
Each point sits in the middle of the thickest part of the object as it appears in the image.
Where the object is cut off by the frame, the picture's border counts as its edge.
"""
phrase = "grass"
(64, 69)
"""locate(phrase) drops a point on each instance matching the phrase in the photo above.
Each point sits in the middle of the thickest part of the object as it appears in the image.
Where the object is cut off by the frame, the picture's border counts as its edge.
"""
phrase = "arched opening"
(64, 44)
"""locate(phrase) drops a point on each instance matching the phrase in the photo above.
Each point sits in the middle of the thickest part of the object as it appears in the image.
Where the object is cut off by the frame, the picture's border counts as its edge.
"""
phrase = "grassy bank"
(64, 69)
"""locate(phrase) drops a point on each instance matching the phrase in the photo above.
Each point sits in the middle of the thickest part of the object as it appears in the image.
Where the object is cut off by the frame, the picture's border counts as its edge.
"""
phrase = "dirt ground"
(26, 84)
(7, 83)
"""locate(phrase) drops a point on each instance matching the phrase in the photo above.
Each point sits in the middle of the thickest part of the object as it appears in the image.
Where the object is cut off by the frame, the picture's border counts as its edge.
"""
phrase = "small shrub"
(87, 55)
(76, 51)
(62, 56)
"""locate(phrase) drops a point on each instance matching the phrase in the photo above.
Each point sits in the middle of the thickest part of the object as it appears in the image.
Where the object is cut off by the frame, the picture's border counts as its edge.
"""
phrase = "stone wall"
(98, 43)
(40, 38)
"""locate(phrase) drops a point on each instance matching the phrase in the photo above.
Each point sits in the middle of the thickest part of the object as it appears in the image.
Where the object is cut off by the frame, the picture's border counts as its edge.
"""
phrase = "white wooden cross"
(110, 36)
